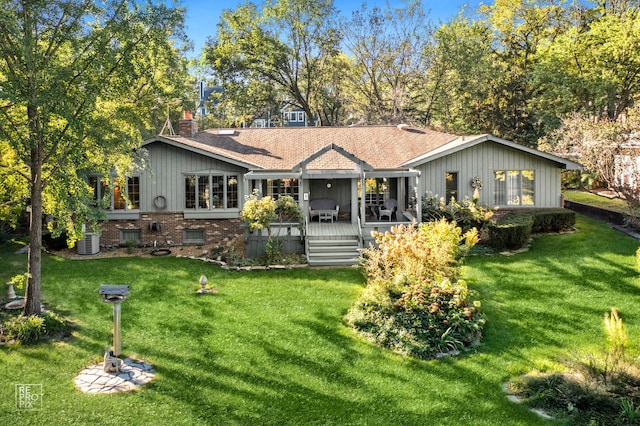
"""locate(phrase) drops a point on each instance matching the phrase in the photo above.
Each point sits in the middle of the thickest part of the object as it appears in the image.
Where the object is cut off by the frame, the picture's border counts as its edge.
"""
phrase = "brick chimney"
(187, 126)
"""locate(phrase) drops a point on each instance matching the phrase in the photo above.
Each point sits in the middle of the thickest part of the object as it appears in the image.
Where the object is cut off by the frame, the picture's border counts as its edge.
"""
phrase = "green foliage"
(19, 280)
(553, 220)
(288, 209)
(259, 212)
(30, 329)
(512, 231)
(131, 245)
(79, 80)
(287, 325)
(418, 320)
(285, 44)
(598, 389)
(431, 251)
(414, 303)
(273, 250)
(466, 213)
(616, 334)
(25, 329)
(385, 46)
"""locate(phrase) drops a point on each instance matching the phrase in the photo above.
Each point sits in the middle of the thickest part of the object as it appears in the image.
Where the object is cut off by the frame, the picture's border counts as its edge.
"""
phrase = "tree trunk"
(32, 292)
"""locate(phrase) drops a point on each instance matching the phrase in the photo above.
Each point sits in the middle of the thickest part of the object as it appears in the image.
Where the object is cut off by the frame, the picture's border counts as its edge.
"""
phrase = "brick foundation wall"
(171, 226)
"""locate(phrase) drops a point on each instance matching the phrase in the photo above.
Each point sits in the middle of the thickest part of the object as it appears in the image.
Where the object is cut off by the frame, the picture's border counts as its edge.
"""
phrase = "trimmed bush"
(511, 232)
(514, 229)
(553, 220)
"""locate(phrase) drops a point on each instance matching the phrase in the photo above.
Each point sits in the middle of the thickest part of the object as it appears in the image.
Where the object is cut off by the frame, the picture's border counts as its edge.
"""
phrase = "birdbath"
(114, 294)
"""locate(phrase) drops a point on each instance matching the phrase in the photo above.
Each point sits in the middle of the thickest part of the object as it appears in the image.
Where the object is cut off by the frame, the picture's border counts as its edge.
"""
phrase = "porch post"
(354, 200)
(419, 192)
(363, 207)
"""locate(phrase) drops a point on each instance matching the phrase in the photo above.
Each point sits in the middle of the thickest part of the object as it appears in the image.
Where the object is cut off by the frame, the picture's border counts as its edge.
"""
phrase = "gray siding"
(481, 161)
(168, 165)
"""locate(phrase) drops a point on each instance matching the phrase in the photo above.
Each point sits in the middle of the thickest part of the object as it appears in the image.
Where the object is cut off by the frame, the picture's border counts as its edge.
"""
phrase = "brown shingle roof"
(383, 147)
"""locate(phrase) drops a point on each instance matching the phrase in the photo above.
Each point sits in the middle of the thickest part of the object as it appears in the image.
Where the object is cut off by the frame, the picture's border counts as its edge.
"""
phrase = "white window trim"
(519, 187)
(111, 208)
(225, 176)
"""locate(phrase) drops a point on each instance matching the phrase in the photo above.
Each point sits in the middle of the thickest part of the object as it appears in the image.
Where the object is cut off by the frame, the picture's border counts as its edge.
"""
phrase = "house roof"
(323, 148)
(464, 142)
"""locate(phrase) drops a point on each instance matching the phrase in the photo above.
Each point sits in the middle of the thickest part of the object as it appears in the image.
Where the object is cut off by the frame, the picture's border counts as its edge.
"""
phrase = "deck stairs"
(333, 244)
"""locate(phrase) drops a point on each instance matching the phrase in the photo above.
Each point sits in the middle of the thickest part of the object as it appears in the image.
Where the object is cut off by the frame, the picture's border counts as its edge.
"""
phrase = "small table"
(325, 215)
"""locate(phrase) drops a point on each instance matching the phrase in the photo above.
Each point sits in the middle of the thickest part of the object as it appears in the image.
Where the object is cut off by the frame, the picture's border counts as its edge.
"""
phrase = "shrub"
(514, 229)
(259, 212)
(55, 243)
(600, 388)
(553, 220)
(467, 213)
(429, 251)
(30, 329)
(419, 320)
(511, 232)
(288, 209)
(274, 250)
(413, 302)
(25, 329)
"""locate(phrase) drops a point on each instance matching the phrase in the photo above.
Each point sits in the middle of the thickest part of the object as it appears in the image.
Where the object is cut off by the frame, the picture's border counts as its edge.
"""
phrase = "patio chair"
(388, 209)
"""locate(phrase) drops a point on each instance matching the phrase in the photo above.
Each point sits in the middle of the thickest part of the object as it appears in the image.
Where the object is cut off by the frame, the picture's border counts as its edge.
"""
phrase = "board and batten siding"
(168, 167)
(482, 161)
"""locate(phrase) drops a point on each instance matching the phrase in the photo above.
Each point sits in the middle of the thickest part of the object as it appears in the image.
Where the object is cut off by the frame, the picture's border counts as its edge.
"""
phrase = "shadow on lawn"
(294, 387)
(558, 290)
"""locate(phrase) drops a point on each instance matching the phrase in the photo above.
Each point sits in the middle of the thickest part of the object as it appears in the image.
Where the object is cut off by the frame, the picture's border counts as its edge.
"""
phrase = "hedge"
(514, 229)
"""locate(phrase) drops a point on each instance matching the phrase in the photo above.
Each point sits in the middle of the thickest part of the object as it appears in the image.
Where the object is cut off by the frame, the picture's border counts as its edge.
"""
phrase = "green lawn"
(271, 347)
(589, 198)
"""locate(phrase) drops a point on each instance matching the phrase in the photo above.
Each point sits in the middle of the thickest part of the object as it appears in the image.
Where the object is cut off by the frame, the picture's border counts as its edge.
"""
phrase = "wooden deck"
(332, 229)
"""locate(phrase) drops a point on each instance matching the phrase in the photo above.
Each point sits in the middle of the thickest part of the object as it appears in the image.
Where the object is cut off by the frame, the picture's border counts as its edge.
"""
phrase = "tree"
(286, 44)
(384, 48)
(608, 149)
(452, 92)
(593, 67)
(519, 28)
(76, 76)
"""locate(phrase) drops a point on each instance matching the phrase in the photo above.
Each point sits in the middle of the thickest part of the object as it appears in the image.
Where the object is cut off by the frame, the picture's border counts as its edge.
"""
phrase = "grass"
(591, 199)
(271, 347)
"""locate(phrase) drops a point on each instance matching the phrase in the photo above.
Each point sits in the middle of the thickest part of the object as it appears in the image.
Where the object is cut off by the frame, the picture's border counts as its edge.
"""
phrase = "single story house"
(197, 181)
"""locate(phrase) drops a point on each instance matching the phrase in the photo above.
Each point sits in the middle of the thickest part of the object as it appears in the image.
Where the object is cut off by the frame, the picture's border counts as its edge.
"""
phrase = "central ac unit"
(90, 244)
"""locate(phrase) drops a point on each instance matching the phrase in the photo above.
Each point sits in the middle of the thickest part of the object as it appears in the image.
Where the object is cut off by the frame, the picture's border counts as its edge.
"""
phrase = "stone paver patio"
(133, 373)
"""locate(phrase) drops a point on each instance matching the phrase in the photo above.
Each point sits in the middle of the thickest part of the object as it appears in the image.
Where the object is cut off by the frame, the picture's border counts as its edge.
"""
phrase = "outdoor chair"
(388, 209)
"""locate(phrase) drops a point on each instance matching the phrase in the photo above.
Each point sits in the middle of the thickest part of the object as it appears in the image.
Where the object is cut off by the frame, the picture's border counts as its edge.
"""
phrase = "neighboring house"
(197, 182)
(293, 117)
(288, 118)
(627, 165)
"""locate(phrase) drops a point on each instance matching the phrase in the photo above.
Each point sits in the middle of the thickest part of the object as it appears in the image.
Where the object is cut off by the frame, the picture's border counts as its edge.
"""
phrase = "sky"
(203, 15)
